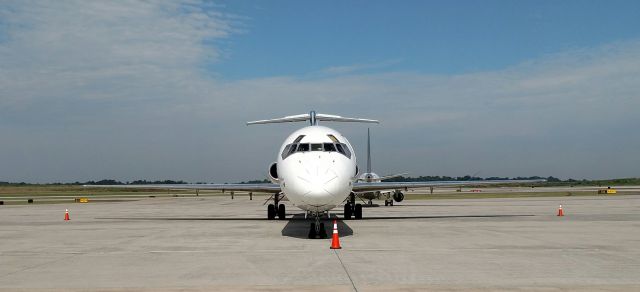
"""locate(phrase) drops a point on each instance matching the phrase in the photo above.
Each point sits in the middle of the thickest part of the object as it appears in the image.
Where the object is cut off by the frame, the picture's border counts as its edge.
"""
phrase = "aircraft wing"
(360, 187)
(262, 187)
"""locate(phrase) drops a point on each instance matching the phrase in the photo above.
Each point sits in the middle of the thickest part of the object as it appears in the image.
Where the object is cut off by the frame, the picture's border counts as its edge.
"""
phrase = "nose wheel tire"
(281, 213)
(317, 231)
(271, 212)
(312, 231)
(348, 210)
(357, 211)
(323, 232)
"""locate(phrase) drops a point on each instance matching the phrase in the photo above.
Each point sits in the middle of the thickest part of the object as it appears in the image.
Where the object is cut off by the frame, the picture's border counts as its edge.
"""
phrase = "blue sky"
(440, 37)
(162, 89)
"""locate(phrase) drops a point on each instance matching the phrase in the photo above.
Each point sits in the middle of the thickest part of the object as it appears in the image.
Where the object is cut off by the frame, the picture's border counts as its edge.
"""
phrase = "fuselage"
(316, 168)
(369, 177)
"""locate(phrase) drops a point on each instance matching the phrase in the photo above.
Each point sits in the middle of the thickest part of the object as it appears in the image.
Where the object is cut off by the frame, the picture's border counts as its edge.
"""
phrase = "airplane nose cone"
(322, 192)
(319, 183)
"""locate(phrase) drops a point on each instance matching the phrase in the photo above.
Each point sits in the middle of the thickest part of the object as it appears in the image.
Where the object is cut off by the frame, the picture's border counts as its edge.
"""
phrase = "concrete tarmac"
(219, 244)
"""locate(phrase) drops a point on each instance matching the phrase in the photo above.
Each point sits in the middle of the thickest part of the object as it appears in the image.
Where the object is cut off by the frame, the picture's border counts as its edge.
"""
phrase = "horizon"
(550, 179)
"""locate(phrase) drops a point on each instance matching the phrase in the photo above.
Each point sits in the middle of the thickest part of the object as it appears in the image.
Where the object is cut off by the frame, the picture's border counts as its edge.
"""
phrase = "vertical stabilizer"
(368, 151)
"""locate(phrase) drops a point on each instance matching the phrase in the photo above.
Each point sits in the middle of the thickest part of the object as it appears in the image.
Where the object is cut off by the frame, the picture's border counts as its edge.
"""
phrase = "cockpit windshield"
(296, 147)
(329, 147)
(316, 147)
(303, 147)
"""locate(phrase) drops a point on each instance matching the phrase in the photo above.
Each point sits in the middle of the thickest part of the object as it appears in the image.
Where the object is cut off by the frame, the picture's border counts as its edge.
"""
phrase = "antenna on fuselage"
(313, 119)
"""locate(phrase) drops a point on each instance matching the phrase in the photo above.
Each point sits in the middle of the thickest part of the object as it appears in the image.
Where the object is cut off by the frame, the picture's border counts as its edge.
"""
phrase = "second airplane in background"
(372, 177)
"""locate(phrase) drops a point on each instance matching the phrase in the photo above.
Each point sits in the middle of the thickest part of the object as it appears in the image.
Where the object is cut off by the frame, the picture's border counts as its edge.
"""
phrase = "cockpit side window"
(293, 149)
(285, 152)
(347, 153)
(288, 150)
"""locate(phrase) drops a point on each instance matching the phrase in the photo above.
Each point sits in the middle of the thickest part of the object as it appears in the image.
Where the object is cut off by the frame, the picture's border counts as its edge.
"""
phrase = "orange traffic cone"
(560, 212)
(335, 240)
(66, 215)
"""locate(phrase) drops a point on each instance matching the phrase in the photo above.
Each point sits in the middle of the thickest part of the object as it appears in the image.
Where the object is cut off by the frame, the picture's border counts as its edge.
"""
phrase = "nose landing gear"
(317, 229)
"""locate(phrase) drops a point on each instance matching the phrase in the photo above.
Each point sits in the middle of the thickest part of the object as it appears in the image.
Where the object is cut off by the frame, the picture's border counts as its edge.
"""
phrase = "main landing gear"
(398, 196)
(352, 209)
(272, 211)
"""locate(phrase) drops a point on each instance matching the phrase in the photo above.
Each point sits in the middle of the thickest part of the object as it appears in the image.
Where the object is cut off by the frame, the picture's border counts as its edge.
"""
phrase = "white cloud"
(101, 50)
(92, 90)
(347, 69)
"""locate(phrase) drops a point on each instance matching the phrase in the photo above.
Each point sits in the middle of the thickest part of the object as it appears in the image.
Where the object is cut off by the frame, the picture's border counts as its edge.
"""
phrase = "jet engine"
(398, 196)
(273, 172)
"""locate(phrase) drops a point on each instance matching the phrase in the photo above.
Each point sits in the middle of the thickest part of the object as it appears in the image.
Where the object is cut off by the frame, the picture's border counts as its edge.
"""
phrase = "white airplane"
(316, 170)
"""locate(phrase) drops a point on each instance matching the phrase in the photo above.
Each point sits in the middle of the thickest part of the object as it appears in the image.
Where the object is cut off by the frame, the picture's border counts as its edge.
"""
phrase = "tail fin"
(313, 118)
(368, 151)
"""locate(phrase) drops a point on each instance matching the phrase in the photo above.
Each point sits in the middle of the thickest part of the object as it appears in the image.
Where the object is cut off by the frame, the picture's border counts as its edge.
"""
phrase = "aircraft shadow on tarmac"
(298, 227)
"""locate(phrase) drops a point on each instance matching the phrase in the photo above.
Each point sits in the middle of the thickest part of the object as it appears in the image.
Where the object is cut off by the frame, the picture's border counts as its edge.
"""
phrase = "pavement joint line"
(345, 270)
(101, 253)
(36, 266)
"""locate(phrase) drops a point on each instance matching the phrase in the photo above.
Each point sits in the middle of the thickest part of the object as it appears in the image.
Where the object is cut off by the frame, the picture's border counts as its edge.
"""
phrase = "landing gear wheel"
(271, 212)
(357, 212)
(348, 210)
(323, 232)
(312, 231)
(386, 203)
(281, 212)
(391, 203)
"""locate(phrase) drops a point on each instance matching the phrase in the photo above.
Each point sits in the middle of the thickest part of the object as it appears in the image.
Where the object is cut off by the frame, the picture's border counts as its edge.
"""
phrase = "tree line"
(550, 180)
(107, 182)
